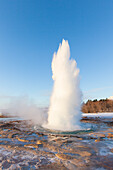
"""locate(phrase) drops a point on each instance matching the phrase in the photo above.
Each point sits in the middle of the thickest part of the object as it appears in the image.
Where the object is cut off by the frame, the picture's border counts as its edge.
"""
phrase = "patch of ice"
(27, 157)
(104, 151)
(14, 166)
(52, 160)
(10, 119)
(103, 115)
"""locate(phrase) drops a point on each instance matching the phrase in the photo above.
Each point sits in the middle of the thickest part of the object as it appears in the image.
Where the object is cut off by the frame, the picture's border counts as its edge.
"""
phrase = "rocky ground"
(24, 147)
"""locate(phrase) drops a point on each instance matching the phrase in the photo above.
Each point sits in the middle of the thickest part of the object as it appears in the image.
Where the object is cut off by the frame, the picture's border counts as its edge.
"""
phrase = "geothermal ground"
(23, 146)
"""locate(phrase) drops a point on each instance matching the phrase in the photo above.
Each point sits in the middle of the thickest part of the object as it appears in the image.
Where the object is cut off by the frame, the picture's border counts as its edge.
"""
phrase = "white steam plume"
(64, 111)
(26, 109)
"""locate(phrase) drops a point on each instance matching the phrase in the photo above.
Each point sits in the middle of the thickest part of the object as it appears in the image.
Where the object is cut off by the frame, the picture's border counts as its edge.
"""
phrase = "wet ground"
(23, 146)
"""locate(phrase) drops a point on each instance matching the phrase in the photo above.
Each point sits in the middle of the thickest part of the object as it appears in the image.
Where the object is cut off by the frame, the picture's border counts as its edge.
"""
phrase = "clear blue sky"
(30, 32)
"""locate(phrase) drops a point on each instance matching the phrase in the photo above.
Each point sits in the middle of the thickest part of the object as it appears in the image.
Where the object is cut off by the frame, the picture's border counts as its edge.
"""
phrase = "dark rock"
(6, 164)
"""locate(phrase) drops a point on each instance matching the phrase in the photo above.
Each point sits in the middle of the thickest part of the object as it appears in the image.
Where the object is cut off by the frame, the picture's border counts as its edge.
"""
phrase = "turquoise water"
(85, 128)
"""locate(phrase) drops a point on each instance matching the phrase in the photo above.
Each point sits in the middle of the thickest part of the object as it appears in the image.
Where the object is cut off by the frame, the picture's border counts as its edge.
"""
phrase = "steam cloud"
(26, 109)
(64, 111)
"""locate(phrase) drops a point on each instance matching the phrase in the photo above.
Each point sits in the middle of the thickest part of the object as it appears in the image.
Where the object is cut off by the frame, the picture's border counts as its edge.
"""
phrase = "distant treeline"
(95, 106)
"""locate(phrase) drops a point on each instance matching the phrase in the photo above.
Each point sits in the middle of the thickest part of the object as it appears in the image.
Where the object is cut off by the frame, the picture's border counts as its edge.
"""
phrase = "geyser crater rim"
(67, 132)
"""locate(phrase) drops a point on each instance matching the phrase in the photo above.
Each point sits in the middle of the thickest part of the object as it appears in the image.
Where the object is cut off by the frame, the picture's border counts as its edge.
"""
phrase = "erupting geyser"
(64, 111)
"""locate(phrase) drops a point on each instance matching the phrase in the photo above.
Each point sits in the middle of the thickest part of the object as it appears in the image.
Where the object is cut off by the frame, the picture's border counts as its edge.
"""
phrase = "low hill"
(95, 106)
